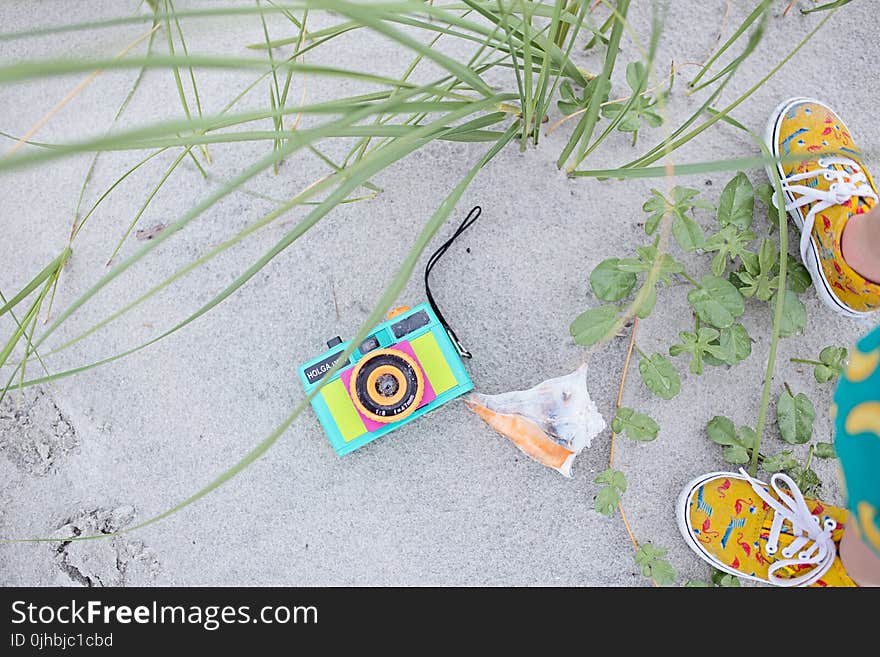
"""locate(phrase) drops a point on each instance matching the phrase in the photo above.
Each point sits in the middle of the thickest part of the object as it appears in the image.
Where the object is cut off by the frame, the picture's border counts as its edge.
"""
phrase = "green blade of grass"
(35, 282)
(20, 325)
(136, 138)
(751, 44)
(546, 45)
(146, 203)
(275, 101)
(584, 130)
(43, 68)
(759, 10)
(826, 6)
(730, 164)
(297, 141)
(724, 112)
(656, 29)
(352, 179)
(77, 227)
(537, 110)
(368, 18)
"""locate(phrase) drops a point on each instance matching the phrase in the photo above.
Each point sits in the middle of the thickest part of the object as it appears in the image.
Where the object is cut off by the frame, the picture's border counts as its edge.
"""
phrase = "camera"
(407, 367)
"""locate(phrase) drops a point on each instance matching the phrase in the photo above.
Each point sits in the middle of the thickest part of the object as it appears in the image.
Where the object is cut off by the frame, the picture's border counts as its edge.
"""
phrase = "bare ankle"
(860, 562)
(860, 244)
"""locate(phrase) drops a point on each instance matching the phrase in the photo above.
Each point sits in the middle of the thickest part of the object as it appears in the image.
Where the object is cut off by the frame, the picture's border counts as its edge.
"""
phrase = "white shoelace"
(812, 544)
(842, 190)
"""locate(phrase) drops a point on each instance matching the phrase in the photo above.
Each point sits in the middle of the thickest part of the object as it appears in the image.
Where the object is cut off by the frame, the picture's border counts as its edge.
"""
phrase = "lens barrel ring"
(369, 381)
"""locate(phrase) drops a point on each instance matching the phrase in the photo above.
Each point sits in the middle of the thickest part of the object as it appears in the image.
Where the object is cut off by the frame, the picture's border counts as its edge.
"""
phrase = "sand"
(444, 500)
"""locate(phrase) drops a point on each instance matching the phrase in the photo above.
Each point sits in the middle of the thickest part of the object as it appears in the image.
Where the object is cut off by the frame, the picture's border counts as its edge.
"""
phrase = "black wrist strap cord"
(467, 223)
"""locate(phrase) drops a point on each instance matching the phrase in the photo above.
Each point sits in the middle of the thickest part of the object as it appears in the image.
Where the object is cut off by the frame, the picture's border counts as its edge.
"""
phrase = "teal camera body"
(408, 366)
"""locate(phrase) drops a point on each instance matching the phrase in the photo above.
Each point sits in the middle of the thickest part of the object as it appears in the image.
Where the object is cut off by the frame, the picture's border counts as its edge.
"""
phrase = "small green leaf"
(683, 200)
(798, 278)
(651, 563)
(609, 283)
(794, 315)
(747, 437)
(783, 461)
(608, 496)
(636, 78)
(833, 356)
(687, 232)
(768, 256)
(655, 207)
(724, 580)
(698, 345)
(764, 191)
(832, 361)
(736, 343)
(645, 260)
(807, 480)
(737, 446)
(825, 451)
(760, 278)
(570, 102)
(567, 108)
(736, 340)
(612, 477)
(735, 454)
(652, 118)
(607, 500)
(737, 202)
(717, 301)
(682, 196)
(730, 244)
(635, 425)
(794, 416)
(591, 326)
(721, 430)
(750, 263)
(660, 376)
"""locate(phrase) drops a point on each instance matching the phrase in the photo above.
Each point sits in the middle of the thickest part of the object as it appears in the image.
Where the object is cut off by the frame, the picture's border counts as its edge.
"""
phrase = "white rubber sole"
(681, 517)
(820, 283)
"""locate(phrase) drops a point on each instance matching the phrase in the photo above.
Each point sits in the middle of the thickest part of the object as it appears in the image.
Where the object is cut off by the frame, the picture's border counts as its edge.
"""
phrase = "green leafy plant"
(744, 269)
(830, 365)
(609, 495)
(643, 108)
(652, 563)
(718, 579)
(738, 445)
(635, 425)
(794, 416)
(687, 232)
(659, 375)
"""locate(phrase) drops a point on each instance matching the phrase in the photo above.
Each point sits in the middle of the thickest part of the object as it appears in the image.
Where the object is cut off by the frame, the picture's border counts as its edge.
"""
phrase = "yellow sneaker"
(766, 533)
(821, 195)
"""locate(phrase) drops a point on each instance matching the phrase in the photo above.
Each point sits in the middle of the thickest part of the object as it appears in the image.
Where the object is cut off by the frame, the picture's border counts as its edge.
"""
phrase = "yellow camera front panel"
(436, 367)
(343, 411)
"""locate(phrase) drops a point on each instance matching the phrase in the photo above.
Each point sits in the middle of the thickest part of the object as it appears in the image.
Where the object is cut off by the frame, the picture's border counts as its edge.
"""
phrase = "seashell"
(550, 423)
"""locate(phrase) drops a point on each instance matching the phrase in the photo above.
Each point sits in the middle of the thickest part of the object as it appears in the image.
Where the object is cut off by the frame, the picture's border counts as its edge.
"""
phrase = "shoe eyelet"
(830, 523)
(803, 556)
(770, 549)
(828, 175)
(787, 553)
(822, 162)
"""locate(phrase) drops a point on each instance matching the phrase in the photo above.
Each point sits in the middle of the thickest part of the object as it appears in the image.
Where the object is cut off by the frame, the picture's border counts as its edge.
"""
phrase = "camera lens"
(387, 385)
